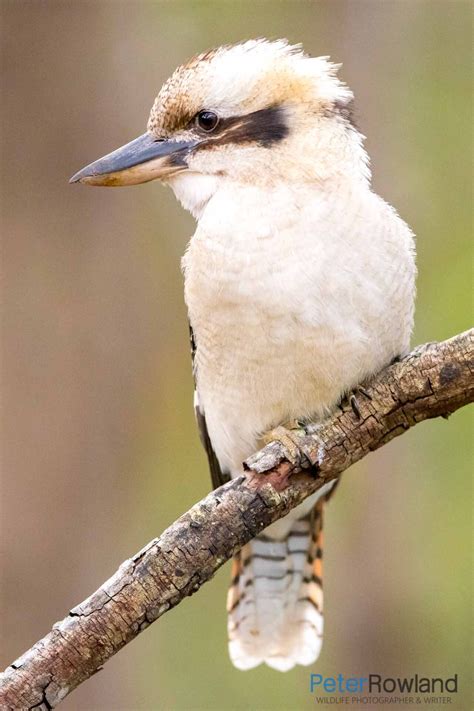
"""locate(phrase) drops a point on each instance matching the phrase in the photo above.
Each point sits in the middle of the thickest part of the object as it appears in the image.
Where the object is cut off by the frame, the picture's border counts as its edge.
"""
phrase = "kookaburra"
(299, 282)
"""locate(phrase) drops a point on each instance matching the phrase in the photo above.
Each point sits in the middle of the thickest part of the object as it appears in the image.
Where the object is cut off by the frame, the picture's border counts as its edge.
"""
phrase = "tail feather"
(275, 600)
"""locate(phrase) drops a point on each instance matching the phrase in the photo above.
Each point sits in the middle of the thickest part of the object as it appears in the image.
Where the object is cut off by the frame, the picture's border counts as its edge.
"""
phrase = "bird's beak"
(144, 159)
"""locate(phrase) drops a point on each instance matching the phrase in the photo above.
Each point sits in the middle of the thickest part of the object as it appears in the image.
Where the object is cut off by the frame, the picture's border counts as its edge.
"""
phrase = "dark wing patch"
(217, 476)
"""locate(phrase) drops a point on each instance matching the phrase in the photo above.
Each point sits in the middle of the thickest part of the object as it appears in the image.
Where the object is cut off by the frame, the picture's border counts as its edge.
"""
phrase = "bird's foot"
(295, 442)
(290, 435)
(352, 399)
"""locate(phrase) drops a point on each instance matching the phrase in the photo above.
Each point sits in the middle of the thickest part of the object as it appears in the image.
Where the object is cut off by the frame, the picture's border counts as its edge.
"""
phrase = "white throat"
(194, 190)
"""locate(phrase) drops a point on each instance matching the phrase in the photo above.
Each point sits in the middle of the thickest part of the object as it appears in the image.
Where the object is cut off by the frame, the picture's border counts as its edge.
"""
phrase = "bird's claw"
(355, 406)
(351, 398)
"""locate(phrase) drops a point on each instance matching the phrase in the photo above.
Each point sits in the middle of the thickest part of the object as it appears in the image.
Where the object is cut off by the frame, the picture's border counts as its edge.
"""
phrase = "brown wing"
(217, 476)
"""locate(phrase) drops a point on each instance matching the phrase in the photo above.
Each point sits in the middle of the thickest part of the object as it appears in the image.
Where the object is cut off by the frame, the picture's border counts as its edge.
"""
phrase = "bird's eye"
(207, 120)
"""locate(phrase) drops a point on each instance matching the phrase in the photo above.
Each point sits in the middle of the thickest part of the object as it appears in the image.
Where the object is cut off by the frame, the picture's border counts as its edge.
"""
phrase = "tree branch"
(434, 380)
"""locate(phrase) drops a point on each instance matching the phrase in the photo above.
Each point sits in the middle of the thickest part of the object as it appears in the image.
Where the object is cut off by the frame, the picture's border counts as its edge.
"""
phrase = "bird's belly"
(261, 372)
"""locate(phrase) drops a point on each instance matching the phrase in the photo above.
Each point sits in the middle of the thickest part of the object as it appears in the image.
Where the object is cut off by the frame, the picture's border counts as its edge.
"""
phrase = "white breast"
(295, 294)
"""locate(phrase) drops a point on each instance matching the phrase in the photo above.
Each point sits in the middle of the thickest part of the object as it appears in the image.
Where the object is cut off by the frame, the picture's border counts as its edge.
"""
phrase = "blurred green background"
(99, 447)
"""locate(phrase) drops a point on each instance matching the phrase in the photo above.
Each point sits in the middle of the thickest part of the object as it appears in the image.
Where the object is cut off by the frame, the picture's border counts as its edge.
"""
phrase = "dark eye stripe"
(266, 127)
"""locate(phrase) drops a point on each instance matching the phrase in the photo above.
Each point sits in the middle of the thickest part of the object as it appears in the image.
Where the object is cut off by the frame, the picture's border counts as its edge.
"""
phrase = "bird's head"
(256, 112)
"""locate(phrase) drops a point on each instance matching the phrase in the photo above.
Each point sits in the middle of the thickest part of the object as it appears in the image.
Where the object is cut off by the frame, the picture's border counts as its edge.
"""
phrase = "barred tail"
(275, 600)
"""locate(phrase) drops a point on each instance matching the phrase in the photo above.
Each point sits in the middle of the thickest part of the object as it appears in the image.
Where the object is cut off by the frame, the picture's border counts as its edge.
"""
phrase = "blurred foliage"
(100, 451)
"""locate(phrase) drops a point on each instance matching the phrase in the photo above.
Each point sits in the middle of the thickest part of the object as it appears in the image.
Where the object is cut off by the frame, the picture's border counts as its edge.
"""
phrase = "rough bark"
(434, 380)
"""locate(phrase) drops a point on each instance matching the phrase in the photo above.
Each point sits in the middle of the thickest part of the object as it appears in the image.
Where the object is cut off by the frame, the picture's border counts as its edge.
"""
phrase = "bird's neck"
(196, 190)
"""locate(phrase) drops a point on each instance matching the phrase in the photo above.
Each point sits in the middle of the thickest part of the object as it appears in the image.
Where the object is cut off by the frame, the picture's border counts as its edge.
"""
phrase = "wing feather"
(217, 476)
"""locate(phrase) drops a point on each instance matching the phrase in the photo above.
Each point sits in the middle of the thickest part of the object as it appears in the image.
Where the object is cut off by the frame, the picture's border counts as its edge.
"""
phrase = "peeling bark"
(434, 380)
